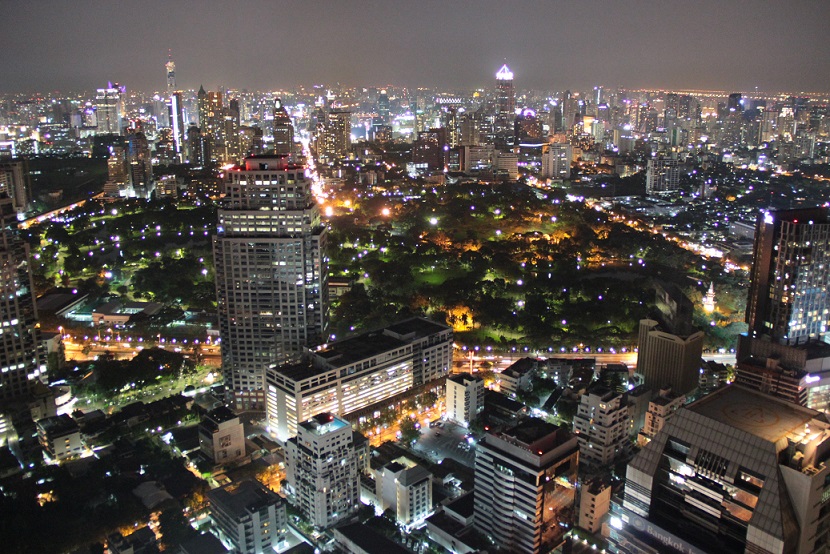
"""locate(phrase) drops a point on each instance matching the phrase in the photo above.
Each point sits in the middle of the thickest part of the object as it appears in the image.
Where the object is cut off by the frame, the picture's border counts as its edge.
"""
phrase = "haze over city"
(712, 45)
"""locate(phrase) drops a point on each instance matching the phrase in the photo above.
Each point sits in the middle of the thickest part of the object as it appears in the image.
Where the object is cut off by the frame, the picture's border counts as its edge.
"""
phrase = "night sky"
(554, 44)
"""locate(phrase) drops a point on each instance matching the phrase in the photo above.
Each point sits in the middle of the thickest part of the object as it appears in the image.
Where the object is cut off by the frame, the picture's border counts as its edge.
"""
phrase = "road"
(464, 362)
(122, 350)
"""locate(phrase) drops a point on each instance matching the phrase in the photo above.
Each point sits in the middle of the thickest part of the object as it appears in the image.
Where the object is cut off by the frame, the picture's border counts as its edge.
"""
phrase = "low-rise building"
(222, 436)
(465, 398)
(517, 377)
(594, 504)
(660, 409)
(248, 518)
(60, 437)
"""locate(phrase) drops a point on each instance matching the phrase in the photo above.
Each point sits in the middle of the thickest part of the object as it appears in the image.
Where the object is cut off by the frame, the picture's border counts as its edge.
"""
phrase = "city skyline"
(636, 45)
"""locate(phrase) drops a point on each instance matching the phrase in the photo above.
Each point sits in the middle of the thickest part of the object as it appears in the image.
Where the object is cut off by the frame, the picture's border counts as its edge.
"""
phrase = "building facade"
(323, 464)
(525, 486)
(736, 471)
(351, 375)
(602, 424)
(222, 436)
(248, 518)
(668, 360)
(465, 398)
(271, 273)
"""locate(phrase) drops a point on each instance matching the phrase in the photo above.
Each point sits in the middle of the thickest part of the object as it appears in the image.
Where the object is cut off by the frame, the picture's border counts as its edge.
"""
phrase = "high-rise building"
(170, 69)
(602, 425)
(525, 486)
(355, 375)
(662, 174)
(465, 397)
(177, 124)
(140, 164)
(406, 488)
(788, 298)
(323, 464)
(271, 273)
(22, 359)
(660, 409)
(669, 360)
(334, 131)
(505, 95)
(556, 161)
(14, 183)
(248, 518)
(429, 151)
(737, 471)
(108, 109)
(283, 130)
(383, 107)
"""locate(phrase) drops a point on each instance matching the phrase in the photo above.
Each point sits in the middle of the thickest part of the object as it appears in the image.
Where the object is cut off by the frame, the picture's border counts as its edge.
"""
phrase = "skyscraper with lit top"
(271, 273)
(505, 94)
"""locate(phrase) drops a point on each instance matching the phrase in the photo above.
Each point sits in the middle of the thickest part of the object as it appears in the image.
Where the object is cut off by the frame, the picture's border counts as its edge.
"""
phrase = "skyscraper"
(271, 273)
(108, 109)
(283, 130)
(669, 360)
(177, 124)
(21, 358)
(662, 174)
(788, 297)
(525, 486)
(505, 95)
(170, 68)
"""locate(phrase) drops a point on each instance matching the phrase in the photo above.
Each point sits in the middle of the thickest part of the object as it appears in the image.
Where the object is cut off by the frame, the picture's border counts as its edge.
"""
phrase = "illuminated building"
(222, 436)
(660, 409)
(525, 486)
(177, 124)
(357, 374)
(556, 161)
(527, 127)
(271, 273)
(170, 68)
(323, 464)
(667, 359)
(788, 296)
(108, 109)
(59, 437)
(505, 95)
(21, 357)
(140, 164)
(594, 503)
(14, 183)
(736, 471)
(247, 517)
(283, 130)
(406, 488)
(212, 120)
(662, 174)
(602, 425)
(429, 150)
(334, 129)
(465, 398)
(383, 107)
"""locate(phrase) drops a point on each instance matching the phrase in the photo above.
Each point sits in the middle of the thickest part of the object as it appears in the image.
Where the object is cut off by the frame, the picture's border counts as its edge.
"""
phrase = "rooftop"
(58, 425)
(324, 423)
(369, 540)
(239, 501)
(463, 378)
(755, 413)
(421, 327)
(535, 435)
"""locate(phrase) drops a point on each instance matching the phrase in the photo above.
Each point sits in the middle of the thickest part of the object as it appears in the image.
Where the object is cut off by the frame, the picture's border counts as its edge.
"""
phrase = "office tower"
(198, 147)
(556, 161)
(21, 358)
(323, 464)
(735, 102)
(465, 398)
(788, 297)
(334, 130)
(662, 174)
(505, 95)
(736, 471)
(177, 125)
(666, 359)
(170, 68)
(247, 517)
(14, 183)
(383, 107)
(221, 436)
(525, 486)
(140, 164)
(449, 121)
(527, 127)
(108, 108)
(468, 130)
(118, 170)
(212, 120)
(283, 130)
(507, 165)
(271, 273)
(357, 375)
(601, 425)
(429, 150)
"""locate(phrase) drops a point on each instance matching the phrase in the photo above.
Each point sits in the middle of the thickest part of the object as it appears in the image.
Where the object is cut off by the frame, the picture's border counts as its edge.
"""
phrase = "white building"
(594, 504)
(354, 374)
(60, 437)
(405, 490)
(465, 398)
(660, 409)
(323, 464)
(222, 436)
(248, 518)
(662, 174)
(601, 424)
(556, 161)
